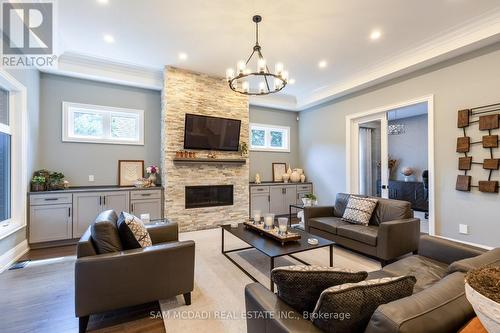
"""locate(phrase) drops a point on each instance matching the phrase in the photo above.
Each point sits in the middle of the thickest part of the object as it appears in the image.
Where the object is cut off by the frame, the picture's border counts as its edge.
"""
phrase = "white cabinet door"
(276, 203)
(117, 201)
(151, 207)
(290, 198)
(86, 207)
(50, 223)
(259, 201)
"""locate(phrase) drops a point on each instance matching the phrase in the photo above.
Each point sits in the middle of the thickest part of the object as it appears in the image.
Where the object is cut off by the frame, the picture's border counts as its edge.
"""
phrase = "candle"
(278, 68)
(261, 64)
(282, 225)
(245, 86)
(268, 220)
(262, 87)
(241, 66)
(229, 74)
(256, 216)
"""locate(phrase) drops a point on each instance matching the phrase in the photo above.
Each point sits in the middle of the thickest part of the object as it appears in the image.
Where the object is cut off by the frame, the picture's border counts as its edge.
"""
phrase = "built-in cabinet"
(277, 198)
(67, 214)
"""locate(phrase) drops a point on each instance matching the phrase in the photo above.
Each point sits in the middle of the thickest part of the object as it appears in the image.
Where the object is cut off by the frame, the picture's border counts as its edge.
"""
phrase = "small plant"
(244, 149)
(39, 180)
(152, 169)
(57, 176)
(310, 196)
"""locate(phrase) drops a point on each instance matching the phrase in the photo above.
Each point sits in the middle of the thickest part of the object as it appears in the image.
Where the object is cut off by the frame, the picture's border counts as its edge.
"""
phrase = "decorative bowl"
(486, 309)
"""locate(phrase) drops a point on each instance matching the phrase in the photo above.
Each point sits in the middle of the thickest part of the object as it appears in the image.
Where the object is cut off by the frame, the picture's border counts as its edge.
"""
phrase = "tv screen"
(211, 133)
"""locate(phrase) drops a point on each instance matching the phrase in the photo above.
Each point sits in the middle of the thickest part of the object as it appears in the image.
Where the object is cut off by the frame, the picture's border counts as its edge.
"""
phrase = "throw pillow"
(105, 233)
(490, 258)
(349, 307)
(359, 210)
(300, 286)
(133, 232)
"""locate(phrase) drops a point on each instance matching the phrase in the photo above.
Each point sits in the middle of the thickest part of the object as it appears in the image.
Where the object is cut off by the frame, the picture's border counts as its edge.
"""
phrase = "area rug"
(218, 301)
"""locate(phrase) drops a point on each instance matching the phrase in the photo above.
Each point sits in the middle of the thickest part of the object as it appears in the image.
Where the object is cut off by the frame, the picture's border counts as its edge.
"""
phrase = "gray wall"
(261, 161)
(467, 81)
(410, 148)
(79, 160)
(30, 79)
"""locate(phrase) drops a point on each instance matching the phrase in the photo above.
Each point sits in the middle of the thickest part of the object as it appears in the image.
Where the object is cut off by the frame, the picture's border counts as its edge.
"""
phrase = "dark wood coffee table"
(272, 248)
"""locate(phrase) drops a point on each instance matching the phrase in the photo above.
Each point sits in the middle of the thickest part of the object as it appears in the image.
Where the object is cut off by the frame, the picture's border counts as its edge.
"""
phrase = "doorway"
(390, 155)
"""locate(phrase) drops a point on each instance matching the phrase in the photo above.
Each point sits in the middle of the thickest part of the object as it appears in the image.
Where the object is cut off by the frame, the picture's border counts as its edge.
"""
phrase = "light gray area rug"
(218, 301)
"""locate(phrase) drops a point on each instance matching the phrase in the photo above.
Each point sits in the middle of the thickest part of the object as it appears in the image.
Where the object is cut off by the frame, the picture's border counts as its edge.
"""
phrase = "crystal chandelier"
(260, 82)
(396, 128)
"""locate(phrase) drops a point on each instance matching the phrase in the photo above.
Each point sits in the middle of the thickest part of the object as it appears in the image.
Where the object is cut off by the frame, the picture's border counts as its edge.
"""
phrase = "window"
(269, 138)
(102, 124)
(5, 157)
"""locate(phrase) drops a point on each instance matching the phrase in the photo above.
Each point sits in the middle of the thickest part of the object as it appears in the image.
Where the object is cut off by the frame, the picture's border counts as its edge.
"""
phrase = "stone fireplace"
(205, 185)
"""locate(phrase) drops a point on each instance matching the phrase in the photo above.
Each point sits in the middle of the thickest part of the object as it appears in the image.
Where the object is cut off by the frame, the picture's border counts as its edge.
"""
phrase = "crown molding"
(469, 37)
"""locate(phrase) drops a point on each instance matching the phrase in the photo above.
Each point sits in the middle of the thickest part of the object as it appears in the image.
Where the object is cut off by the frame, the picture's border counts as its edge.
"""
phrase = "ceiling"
(215, 34)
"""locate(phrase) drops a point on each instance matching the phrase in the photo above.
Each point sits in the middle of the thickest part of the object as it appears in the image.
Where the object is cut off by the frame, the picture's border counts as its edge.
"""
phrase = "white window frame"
(107, 112)
(267, 139)
(19, 158)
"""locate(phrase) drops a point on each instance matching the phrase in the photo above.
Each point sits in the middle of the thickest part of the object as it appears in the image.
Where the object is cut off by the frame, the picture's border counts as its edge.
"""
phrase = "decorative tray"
(273, 233)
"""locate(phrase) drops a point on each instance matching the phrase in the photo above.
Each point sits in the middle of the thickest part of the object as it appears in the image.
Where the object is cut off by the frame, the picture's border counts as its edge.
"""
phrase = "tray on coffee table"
(273, 233)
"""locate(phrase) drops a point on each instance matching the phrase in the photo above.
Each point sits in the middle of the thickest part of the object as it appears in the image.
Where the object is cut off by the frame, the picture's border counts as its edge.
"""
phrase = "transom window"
(269, 138)
(102, 124)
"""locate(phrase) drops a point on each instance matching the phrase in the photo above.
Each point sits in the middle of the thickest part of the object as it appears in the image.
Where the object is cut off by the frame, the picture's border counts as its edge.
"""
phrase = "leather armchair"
(111, 281)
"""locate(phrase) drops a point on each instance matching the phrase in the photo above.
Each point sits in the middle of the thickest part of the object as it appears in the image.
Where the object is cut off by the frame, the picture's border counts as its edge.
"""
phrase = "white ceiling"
(216, 34)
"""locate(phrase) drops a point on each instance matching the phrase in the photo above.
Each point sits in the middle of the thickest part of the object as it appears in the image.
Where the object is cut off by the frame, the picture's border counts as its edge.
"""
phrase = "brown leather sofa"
(392, 231)
(438, 303)
(115, 280)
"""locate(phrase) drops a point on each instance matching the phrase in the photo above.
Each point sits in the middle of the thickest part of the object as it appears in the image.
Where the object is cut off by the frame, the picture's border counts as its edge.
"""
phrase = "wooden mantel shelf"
(211, 160)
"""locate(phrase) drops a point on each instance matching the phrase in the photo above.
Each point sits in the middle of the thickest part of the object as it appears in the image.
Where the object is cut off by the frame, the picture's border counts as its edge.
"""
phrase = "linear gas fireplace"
(209, 196)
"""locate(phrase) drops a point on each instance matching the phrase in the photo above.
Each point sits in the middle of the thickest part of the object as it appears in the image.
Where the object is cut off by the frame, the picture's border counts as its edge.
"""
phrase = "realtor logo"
(27, 29)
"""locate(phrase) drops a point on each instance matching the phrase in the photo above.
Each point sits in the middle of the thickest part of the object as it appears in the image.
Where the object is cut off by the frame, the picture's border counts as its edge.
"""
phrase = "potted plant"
(37, 183)
(309, 200)
(482, 289)
(56, 181)
(153, 171)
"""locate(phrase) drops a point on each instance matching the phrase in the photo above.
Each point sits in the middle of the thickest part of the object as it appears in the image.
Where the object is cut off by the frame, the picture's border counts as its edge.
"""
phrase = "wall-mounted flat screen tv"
(211, 133)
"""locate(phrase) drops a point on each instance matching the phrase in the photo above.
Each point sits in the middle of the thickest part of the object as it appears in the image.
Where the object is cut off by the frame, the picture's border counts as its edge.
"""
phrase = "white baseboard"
(11, 256)
(467, 243)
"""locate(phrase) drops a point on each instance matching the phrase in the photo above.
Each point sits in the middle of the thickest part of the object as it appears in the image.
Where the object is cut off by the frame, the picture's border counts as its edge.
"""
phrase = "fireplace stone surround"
(196, 93)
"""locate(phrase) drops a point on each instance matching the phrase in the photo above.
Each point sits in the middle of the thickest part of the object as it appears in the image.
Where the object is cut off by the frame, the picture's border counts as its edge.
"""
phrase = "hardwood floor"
(40, 298)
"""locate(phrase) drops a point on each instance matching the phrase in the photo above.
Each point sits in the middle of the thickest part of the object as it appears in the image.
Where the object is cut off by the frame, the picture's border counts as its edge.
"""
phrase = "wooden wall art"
(488, 119)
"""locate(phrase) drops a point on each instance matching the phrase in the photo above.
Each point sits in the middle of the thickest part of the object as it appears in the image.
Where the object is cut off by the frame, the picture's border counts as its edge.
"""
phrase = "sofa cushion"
(133, 232)
(364, 234)
(104, 233)
(488, 258)
(354, 303)
(300, 286)
(426, 270)
(359, 210)
(328, 224)
(442, 307)
(391, 210)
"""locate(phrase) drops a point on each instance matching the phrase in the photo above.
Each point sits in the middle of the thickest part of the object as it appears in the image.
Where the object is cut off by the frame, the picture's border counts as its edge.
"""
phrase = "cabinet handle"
(69, 211)
(100, 201)
(51, 199)
(146, 194)
(269, 198)
(104, 200)
(133, 207)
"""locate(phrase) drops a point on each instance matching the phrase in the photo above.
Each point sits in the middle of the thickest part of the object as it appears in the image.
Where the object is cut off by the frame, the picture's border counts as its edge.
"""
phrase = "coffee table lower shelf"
(279, 253)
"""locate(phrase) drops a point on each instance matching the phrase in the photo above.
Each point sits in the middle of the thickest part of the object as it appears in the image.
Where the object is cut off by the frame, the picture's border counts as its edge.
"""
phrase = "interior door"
(369, 172)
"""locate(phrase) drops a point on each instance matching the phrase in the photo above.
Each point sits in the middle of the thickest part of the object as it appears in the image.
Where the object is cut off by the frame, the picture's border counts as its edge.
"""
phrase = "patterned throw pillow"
(300, 286)
(359, 210)
(133, 232)
(349, 307)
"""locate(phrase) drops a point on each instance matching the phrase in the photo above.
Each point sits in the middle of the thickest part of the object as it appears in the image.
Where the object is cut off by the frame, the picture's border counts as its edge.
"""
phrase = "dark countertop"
(267, 183)
(77, 189)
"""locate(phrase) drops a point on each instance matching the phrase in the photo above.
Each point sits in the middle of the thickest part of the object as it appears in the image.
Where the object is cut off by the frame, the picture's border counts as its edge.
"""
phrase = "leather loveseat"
(115, 280)
(438, 303)
(391, 232)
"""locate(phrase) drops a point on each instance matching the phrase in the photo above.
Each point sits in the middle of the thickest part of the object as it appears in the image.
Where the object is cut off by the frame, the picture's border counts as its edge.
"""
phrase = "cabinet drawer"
(145, 194)
(50, 199)
(304, 188)
(259, 189)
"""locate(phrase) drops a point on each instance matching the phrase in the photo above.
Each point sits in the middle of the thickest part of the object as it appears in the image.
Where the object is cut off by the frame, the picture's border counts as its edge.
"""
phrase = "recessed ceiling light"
(108, 38)
(376, 34)
(103, 2)
(183, 56)
(291, 81)
(322, 64)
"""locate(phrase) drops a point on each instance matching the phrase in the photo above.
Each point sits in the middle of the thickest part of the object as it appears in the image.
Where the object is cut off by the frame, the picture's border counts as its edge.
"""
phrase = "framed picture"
(278, 170)
(129, 171)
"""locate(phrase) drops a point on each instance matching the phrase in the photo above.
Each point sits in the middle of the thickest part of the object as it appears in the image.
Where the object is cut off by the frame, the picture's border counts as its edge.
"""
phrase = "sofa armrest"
(114, 280)
(162, 233)
(265, 312)
(446, 251)
(397, 237)
(317, 211)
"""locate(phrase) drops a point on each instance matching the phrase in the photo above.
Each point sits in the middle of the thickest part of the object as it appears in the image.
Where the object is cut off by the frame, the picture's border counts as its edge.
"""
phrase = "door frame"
(351, 137)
